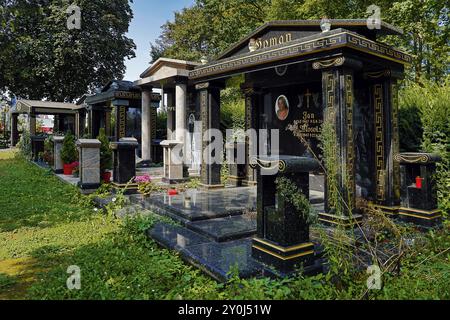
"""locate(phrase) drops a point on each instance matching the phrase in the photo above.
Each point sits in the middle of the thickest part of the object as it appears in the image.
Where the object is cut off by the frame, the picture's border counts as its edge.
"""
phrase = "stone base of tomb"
(89, 186)
(174, 181)
(284, 259)
(340, 221)
(211, 187)
(421, 218)
(145, 164)
(130, 188)
(250, 183)
(236, 181)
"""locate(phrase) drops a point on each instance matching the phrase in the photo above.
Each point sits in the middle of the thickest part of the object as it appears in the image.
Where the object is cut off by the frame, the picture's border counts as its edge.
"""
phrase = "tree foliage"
(41, 58)
(210, 26)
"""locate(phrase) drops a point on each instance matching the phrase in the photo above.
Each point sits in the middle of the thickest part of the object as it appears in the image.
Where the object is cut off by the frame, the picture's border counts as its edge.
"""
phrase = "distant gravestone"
(57, 146)
(124, 160)
(89, 151)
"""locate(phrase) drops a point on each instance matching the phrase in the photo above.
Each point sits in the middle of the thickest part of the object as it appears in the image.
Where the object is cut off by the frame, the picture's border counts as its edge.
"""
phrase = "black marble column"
(209, 99)
(384, 93)
(14, 129)
(338, 97)
(251, 117)
(121, 122)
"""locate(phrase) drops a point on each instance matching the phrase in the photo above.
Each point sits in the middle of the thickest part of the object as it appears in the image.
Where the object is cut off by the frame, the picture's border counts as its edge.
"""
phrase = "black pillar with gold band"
(338, 141)
(384, 101)
(209, 99)
(121, 122)
(282, 239)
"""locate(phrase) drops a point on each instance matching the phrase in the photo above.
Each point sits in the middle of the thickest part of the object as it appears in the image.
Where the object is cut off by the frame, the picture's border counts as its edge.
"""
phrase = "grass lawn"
(47, 226)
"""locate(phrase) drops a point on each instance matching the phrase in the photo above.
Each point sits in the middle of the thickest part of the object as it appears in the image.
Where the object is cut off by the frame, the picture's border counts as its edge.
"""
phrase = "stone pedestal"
(58, 166)
(282, 231)
(173, 161)
(37, 146)
(89, 151)
(124, 162)
(419, 201)
(237, 167)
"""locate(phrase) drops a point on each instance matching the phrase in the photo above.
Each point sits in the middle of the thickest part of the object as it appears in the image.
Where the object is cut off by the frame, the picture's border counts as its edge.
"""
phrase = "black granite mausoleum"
(299, 71)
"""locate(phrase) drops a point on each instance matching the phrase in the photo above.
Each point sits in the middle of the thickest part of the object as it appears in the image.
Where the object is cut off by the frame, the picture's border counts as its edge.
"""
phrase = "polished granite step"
(215, 259)
(206, 205)
(219, 259)
(226, 229)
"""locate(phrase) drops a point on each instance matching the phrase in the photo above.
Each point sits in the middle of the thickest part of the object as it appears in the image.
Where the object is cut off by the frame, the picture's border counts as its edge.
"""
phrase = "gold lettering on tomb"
(310, 125)
(261, 43)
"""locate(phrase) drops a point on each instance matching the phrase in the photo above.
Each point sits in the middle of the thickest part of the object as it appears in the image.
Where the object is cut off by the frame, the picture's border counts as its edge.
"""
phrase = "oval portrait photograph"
(282, 108)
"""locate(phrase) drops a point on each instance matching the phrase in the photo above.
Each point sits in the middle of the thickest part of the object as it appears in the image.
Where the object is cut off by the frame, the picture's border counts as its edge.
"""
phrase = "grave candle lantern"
(418, 182)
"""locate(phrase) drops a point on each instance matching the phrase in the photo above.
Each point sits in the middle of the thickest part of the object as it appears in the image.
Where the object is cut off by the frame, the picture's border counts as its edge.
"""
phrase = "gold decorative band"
(337, 62)
(284, 258)
(412, 158)
(283, 249)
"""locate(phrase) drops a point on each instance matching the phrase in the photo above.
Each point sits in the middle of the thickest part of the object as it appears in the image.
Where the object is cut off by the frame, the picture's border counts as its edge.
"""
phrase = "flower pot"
(106, 177)
(68, 169)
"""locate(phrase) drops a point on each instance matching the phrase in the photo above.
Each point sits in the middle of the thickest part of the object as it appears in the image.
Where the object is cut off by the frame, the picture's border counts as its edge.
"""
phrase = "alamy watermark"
(74, 20)
(74, 280)
(262, 144)
(374, 21)
(374, 280)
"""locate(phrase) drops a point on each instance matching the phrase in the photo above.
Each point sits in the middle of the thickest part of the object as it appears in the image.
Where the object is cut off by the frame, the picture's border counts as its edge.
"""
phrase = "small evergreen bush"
(69, 152)
(105, 152)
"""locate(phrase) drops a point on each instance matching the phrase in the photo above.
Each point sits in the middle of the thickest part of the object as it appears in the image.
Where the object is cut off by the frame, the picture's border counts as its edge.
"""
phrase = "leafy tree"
(427, 28)
(207, 28)
(41, 58)
(210, 26)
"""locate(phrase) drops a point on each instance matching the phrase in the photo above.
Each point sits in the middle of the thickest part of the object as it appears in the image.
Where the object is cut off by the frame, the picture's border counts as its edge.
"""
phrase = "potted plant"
(69, 153)
(105, 156)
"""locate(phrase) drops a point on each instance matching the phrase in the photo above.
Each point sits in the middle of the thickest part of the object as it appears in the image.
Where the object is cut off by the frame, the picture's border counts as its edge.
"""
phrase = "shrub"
(69, 152)
(105, 151)
(432, 101)
(24, 145)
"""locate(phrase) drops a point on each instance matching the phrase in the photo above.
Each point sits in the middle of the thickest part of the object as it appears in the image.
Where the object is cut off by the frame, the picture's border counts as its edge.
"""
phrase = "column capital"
(249, 90)
(209, 85)
(383, 74)
(337, 62)
(146, 88)
(180, 81)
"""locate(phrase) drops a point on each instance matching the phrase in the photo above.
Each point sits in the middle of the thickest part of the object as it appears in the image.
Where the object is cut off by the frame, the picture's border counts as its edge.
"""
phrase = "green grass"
(47, 226)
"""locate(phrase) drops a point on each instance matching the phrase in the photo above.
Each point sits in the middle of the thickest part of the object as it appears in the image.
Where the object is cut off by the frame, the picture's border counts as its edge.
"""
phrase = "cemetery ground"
(47, 226)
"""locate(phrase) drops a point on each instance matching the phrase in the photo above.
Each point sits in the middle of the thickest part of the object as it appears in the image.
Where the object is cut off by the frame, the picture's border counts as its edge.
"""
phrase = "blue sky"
(149, 16)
